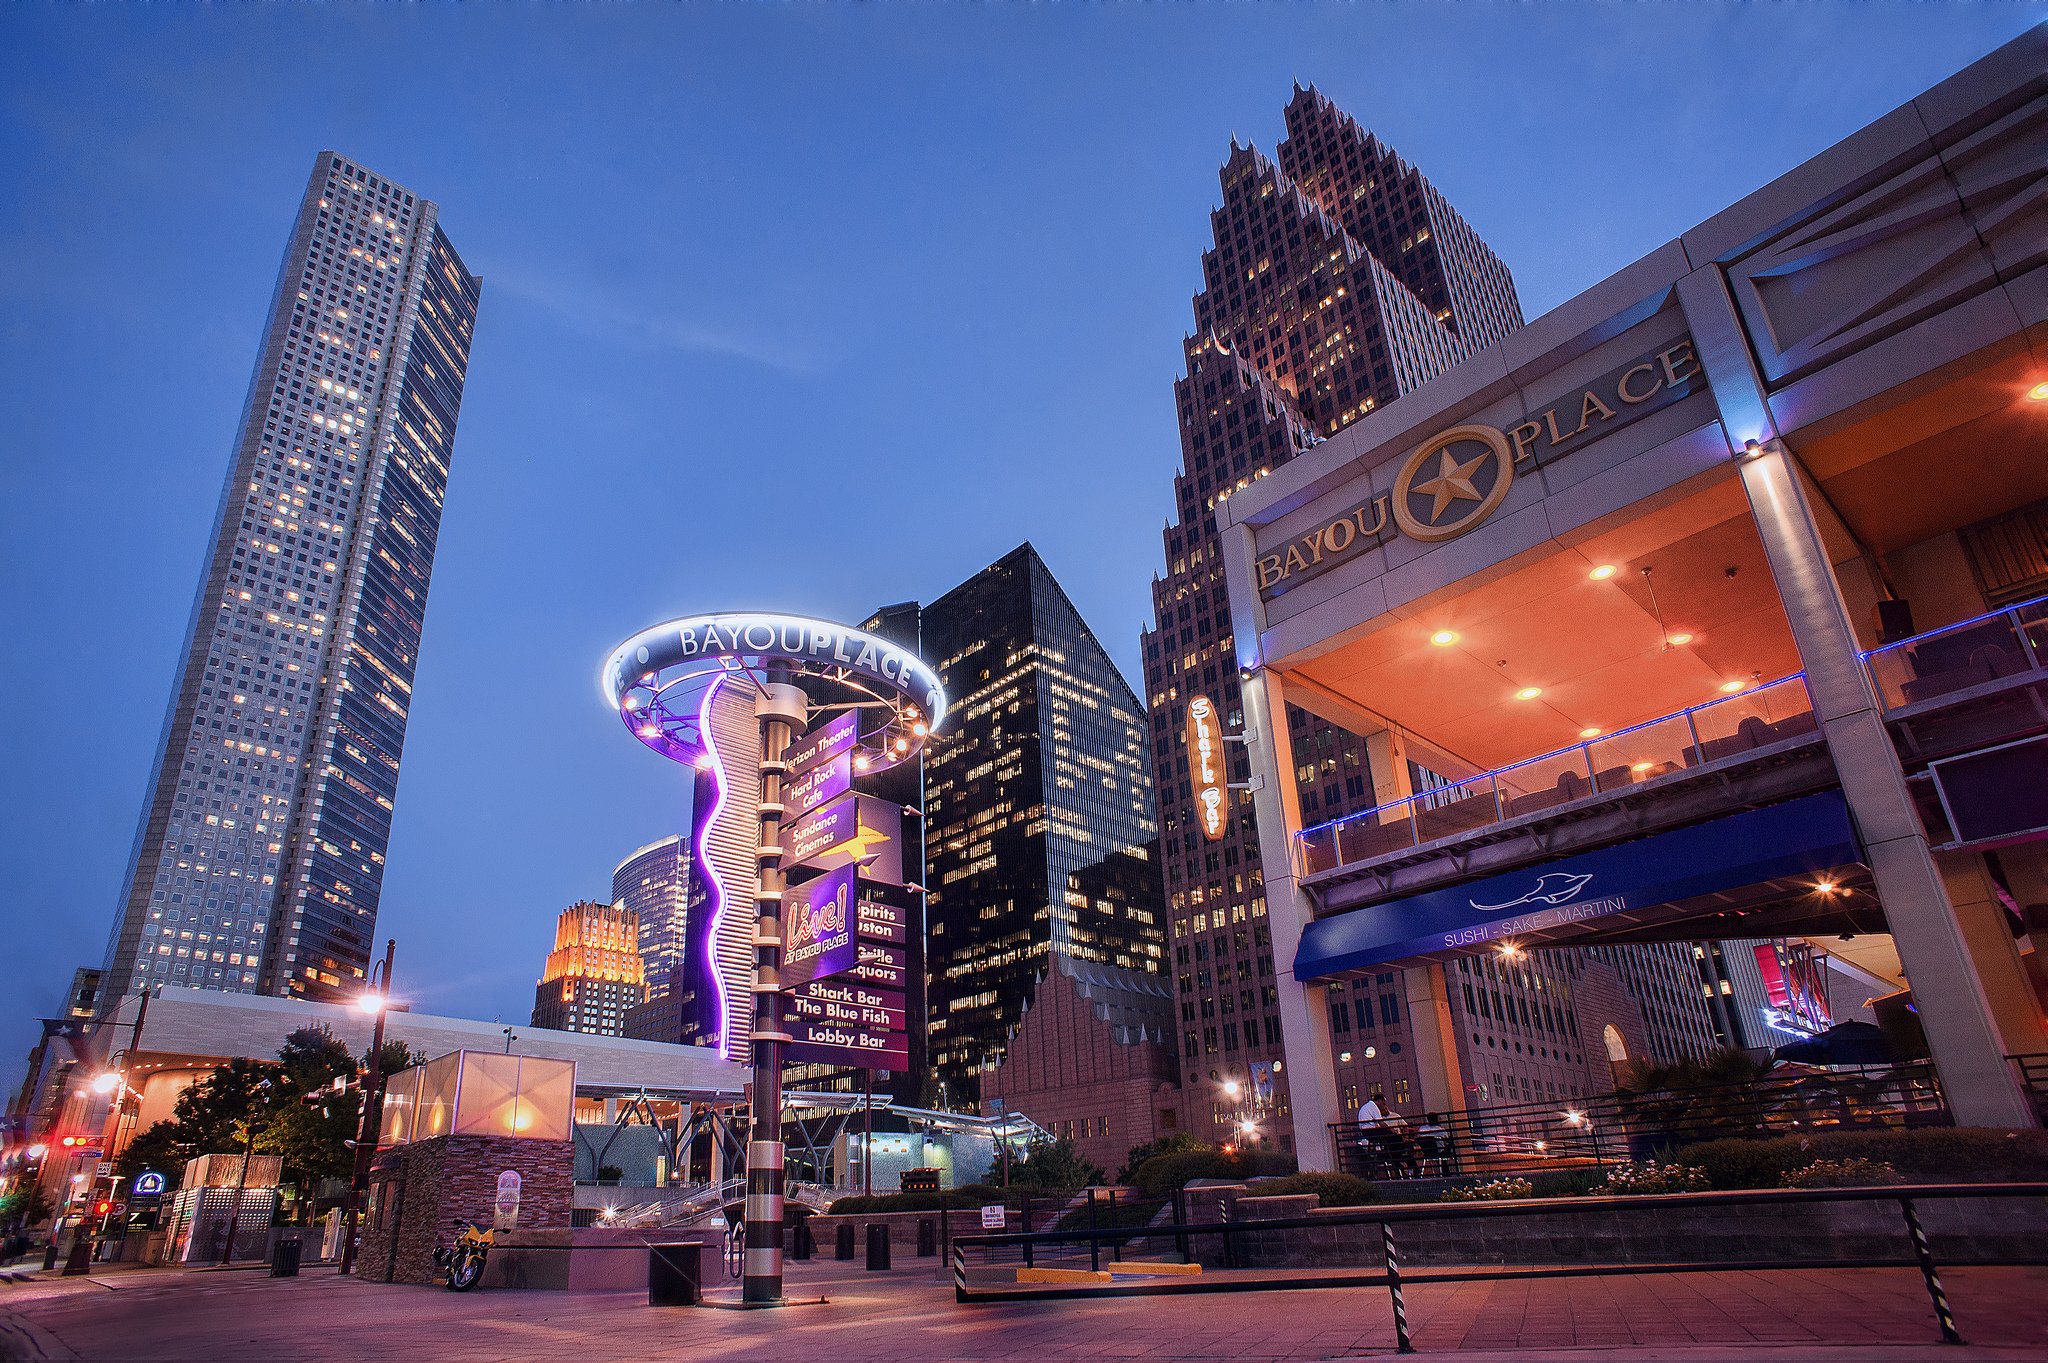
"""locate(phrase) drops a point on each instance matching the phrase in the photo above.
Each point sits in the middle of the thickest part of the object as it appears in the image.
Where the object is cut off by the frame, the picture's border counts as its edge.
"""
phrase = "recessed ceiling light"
(2039, 392)
(1529, 693)
(1731, 686)
(1642, 766)
(1603, 572)
(1444, 638)
(1681, 638)
(1589, 733)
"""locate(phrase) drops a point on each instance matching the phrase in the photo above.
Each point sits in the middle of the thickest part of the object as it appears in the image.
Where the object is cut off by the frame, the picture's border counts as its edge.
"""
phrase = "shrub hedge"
(1935, 1155)
(1336, 1190)
(1161, 1175)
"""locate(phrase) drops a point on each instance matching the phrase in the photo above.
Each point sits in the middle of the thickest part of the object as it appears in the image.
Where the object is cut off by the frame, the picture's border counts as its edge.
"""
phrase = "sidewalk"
(1817, 1316)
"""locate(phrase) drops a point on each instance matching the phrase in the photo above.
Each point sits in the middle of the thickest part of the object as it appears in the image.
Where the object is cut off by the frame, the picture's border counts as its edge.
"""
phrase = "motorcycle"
(464, 1259)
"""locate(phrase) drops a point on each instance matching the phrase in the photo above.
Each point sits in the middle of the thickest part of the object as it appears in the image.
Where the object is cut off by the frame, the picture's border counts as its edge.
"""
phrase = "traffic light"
(102, 1207)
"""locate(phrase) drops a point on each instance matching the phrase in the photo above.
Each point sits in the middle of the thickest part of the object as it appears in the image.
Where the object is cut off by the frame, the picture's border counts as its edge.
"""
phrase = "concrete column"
(1310, 1071)
(1435, 1038)
(1939, 958)
(1386, 755)
(1961, 1031)
(1431, 1030)
(2015, 1008)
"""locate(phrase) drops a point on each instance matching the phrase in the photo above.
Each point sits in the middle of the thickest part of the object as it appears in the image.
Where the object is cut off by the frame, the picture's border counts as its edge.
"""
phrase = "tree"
(209, 1118)
(1054, 1164)
(310, 1137)
(1179, 1143)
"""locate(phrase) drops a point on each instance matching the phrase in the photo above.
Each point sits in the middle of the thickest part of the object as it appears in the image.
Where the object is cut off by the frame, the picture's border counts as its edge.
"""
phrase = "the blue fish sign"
(1555, 888)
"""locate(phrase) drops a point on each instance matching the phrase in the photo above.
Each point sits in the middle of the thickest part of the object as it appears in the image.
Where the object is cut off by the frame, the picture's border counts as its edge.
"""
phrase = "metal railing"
(1960, 657)
(1619, 1128)
(972, 1251)
(1704, 735)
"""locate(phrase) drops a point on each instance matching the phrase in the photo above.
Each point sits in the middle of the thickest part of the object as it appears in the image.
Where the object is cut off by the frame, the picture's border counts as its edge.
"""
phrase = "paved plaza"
(1819, 1315)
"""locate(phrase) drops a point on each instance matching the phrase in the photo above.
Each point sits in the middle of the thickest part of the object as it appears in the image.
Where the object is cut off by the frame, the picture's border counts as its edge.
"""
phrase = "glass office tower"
(1038, 813)
(260, 854)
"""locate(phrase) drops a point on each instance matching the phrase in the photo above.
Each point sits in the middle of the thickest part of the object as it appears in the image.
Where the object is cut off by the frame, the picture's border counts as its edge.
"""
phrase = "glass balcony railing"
(2006, 643)
(1958, 657)
(1704, 734)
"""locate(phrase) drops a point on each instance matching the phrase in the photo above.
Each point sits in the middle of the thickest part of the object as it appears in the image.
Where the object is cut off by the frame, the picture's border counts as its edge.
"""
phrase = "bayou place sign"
(1458, 477)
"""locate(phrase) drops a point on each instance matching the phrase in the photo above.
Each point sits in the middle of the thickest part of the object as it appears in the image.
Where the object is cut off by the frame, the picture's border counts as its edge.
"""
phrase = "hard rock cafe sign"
(1457, 478)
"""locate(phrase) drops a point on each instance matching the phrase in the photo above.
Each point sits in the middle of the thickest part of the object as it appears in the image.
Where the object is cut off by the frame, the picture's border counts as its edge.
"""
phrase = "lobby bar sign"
(1205, 767)
(1458, 477)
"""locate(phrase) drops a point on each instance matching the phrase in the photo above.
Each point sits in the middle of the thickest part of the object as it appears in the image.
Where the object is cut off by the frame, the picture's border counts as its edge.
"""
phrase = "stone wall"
(1660, 1230)
(420, 1190)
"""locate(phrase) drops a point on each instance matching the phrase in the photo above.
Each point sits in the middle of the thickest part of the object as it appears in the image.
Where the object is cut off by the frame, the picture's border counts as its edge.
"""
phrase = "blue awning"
(1806, 835)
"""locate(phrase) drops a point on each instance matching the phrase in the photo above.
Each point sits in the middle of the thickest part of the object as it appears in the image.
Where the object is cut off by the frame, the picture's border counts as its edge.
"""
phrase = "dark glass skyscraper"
(260, 855)
(1339, 280)
(1038, 812)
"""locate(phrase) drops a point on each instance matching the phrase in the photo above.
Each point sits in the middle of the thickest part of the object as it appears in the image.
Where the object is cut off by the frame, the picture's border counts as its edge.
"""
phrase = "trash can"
(284, 1257)
(878, 1248)
(842, 1247)
(802, 1243)
(927, 1238)
(673, 1274)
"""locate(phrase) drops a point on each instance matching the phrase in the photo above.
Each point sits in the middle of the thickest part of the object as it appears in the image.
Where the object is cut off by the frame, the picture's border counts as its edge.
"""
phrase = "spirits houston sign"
(1457, 478)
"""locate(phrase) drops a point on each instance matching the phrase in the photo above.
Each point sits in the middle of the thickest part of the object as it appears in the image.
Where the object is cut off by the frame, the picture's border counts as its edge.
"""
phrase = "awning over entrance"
(1810, 835)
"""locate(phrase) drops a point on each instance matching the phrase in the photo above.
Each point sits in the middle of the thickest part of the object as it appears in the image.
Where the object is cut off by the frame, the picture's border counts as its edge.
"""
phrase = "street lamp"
(106, 1083)
(375, 1001)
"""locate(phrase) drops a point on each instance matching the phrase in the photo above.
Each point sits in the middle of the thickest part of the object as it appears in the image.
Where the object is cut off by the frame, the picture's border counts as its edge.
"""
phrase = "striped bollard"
(1942, 1313)
(1401, 1341)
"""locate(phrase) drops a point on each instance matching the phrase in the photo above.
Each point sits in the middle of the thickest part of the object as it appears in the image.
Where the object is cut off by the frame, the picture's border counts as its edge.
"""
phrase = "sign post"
(829, 969)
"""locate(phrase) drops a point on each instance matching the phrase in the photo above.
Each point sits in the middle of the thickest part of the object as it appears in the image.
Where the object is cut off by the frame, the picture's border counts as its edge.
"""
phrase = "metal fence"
(1913, 1249)
(1620, 1128)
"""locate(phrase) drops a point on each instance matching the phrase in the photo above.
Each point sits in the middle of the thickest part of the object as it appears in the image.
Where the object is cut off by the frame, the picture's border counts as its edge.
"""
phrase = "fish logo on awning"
(1556, 888)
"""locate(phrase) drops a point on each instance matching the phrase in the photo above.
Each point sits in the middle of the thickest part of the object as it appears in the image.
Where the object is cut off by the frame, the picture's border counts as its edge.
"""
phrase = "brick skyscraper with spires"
(1340, 279)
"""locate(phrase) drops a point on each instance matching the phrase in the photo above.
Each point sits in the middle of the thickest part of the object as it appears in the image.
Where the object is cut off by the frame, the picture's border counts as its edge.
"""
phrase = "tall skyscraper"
(1341, 279)
(593, 975)
(1039, 819)
(260, 854)
(654, 883)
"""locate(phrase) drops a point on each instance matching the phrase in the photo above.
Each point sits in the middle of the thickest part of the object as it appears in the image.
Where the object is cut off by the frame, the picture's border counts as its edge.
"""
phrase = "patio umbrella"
(1845, 1043)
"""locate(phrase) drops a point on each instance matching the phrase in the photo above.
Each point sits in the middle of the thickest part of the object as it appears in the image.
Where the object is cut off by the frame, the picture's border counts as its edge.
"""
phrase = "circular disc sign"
(1452, 483)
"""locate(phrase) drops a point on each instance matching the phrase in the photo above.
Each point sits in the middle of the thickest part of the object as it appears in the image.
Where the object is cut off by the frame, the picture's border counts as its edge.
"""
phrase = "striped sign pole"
(781, 709)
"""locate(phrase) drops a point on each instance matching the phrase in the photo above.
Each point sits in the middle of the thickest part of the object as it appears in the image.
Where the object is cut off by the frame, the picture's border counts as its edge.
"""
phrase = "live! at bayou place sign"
(1458, 477)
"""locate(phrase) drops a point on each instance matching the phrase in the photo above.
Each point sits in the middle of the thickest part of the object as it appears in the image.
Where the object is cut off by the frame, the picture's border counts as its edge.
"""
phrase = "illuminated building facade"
(1038, 814)
(654, 884)
(593, 975)
(1711, 607)
(259, 857)
(1340, 278)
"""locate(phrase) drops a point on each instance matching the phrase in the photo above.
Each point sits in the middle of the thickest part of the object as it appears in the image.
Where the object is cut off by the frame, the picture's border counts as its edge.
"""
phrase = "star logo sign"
(1453, 480)
(1449, 471)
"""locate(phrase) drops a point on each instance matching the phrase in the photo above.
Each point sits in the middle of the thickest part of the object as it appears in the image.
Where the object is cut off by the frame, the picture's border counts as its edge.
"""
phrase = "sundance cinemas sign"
(1459, 477)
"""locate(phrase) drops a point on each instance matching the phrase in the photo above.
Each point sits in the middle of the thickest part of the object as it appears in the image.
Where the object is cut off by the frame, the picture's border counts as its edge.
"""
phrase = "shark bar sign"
(1206, 768)
(1458, 477)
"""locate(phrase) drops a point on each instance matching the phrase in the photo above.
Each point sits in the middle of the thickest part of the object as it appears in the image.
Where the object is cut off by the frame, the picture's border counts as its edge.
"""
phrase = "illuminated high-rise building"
(1039, 821)
(593, 975)
(259, 857)
(1340, 278)
(654, 883)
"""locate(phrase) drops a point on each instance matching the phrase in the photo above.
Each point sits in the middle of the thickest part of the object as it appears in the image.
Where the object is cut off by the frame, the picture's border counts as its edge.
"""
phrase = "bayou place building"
(1718, 593)
(1340, 280)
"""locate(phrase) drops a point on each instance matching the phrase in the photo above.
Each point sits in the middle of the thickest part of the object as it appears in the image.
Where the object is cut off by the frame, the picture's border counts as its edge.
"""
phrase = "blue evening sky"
(801, 306)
